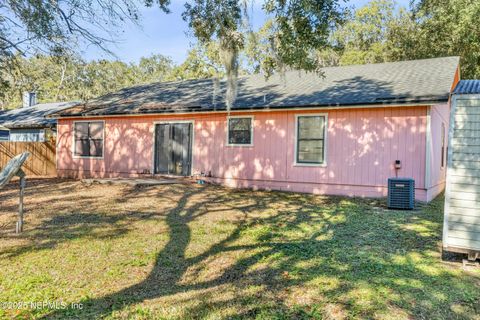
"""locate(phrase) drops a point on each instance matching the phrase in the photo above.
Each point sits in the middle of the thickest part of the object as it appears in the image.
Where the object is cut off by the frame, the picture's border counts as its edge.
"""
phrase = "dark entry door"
(173, 148)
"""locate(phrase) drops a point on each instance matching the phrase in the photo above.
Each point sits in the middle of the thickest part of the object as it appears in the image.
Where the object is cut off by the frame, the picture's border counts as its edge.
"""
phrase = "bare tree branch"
(12, 45)
(65, 18)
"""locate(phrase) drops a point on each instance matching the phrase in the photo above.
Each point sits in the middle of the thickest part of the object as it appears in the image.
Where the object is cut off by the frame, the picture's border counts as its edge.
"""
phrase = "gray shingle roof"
(34, 116)
(467, 87)
(428, 80)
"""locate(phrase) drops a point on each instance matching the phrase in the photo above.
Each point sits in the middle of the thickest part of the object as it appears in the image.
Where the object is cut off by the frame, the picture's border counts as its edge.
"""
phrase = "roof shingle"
(34, 116)
(415, 81)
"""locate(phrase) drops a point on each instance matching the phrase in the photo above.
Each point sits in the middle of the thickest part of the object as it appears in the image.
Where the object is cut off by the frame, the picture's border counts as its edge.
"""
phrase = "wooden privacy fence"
(41, 161)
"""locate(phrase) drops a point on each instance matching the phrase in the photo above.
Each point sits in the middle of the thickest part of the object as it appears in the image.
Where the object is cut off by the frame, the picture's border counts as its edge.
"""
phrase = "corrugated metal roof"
(423, 81)
(467, 87)
(34, 116)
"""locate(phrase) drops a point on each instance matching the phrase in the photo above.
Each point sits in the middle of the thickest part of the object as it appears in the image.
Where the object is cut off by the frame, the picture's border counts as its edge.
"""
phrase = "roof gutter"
(28, 126)
(274, 109)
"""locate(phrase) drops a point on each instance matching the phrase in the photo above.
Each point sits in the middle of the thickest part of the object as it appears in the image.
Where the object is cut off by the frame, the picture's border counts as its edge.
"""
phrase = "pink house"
(340, 132)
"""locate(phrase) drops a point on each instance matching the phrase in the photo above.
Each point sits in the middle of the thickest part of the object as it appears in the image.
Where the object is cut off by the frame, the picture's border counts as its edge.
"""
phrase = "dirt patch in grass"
(200, 251)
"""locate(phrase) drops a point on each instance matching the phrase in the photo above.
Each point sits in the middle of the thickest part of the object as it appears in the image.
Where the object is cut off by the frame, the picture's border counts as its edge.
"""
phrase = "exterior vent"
(401, 193)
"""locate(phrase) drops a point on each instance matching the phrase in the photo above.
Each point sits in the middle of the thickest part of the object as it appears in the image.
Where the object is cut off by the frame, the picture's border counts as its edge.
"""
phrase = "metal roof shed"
(461, 229)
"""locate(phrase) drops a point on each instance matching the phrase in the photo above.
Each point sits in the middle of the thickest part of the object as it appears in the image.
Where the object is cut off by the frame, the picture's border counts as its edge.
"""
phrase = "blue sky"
(166, 34)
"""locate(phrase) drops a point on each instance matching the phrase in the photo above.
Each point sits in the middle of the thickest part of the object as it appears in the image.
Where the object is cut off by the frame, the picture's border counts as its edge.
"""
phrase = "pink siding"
(438, 114)
(362, 145)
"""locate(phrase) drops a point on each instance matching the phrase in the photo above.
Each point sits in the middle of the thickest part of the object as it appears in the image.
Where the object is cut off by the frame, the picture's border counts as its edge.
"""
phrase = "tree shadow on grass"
(69, 215)
(344, 257)
(61, 228)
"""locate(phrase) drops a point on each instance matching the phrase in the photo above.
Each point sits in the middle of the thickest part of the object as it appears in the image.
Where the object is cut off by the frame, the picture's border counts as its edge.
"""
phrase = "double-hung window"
(310, 144)
(88, 139)
(240, 131)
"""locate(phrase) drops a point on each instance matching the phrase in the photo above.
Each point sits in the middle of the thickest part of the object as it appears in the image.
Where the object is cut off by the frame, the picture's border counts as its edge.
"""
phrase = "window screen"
(240, 131)
(310, 139)
(88, 139)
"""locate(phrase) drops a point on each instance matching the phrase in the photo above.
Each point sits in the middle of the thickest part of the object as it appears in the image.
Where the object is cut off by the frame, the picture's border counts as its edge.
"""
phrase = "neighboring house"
(336, 133)
(29, 123)
(4, 133)
(461, 231)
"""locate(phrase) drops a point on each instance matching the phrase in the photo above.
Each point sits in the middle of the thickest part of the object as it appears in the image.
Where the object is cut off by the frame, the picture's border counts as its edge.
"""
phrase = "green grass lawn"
(199, 251)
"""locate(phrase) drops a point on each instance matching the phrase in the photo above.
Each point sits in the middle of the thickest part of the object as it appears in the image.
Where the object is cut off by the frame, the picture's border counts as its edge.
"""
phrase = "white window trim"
(325, 141)
(251, 131)
(73, 139)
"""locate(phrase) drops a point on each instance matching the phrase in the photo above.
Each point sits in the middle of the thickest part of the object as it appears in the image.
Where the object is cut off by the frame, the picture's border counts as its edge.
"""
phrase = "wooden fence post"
(19, 227)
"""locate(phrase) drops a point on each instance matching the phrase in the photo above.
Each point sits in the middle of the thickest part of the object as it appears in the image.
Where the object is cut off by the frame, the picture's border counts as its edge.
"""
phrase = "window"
(4, 135)
(442, 161)
(240, 131)
(88, 139)
(310, 144)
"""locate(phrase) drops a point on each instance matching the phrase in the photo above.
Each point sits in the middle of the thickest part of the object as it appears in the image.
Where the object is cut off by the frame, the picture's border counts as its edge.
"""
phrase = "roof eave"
(392, 103)
(30, 126)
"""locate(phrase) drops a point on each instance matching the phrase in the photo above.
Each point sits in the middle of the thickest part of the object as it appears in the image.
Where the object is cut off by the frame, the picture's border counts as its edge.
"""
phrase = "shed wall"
(462, 203)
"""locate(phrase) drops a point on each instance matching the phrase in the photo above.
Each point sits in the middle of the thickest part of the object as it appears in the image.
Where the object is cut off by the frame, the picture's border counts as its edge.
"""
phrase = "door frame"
(192, 137)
